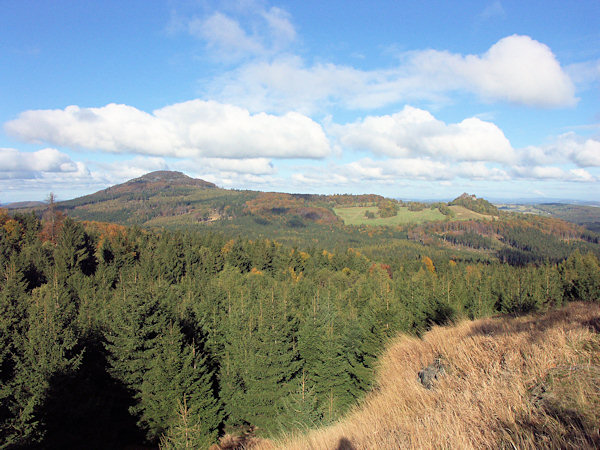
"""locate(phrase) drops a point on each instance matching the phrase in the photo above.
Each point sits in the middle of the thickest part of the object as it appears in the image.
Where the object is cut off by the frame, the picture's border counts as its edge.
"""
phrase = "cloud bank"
(195, 128)
(30, 165)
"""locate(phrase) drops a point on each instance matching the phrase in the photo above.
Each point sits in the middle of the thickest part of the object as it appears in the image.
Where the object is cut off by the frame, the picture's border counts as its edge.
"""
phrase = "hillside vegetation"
(268, 315)
(585, 215)
(526, 382)
(356, 216)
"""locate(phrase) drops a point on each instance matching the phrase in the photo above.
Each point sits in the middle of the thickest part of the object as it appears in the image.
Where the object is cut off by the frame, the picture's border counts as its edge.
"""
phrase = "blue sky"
(413, 100)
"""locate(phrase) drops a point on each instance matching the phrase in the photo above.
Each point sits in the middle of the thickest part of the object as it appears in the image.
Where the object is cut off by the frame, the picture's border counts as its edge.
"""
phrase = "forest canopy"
(116, 335)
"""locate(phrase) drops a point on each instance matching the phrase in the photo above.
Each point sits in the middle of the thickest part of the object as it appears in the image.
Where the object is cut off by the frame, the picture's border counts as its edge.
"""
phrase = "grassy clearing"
(462, 213)
(528, 382)
(356, 216)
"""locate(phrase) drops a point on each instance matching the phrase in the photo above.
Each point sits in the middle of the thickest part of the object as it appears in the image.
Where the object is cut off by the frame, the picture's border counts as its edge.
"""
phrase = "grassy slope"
(355, 215)
(529, 382)
(462, 213)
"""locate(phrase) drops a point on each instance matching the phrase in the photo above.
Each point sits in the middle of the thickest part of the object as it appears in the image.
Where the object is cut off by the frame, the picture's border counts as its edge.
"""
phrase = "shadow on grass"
(345, 444)
(537, 324)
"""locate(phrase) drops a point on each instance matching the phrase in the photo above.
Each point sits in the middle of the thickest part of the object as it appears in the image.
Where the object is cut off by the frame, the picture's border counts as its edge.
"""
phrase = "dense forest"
(113, 336)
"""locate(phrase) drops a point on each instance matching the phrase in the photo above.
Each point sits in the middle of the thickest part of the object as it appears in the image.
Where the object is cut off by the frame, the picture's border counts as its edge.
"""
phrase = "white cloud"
(400, 171)
(566, 148)
(396, 170)
(301, 179)
(191, 129)
(250, 31)
(416, 132)
(516, 69)
(28, 165)
(553, 173)
(33, 175)
(281, 28)
(520, 70)
(585, 73)
(120, 171)
(494, 9)
(587, 154)
(241, 181)
(285, 84)
(479, 171)
(225, 35)
(253, 166)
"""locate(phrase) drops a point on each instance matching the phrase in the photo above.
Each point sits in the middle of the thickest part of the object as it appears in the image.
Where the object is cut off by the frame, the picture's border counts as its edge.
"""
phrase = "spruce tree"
(50, 353)
(137, 320)
(13, 327)
(178, 373)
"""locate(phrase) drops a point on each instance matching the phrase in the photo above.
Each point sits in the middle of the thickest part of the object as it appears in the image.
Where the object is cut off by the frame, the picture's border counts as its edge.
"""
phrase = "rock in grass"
(430, 374)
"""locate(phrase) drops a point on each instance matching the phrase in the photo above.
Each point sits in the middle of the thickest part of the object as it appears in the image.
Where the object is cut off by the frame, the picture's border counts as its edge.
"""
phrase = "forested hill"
(469, 228)
(112, 336)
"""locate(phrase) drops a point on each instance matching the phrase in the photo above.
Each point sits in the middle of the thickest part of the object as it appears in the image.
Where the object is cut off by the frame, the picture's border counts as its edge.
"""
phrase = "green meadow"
(356, 216)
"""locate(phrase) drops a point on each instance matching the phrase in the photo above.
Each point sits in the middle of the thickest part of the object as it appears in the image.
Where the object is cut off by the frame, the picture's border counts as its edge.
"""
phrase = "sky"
(410, 100)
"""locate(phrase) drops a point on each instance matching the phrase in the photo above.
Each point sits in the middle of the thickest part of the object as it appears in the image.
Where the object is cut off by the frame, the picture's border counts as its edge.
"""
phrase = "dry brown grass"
(528, 382)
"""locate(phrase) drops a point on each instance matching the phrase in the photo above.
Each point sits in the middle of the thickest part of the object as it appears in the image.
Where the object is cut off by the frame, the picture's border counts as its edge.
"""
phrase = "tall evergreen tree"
(13, 328)
(178, 373)
(49, 352)
(137, 320)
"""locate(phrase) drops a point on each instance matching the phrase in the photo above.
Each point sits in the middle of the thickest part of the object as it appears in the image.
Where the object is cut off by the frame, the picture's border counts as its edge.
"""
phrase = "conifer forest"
(114, 336)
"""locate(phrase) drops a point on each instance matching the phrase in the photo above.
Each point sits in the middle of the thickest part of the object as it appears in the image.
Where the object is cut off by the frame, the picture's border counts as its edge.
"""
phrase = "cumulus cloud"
(516, 69)
(192, 129)
(28, 165)
(566, 148)
(587, 153)
(32, 175)
(416, 132)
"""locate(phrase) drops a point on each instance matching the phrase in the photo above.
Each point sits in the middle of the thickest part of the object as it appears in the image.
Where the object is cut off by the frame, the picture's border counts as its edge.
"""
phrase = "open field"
(462, 213)
(355, 215)
(527, 382)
